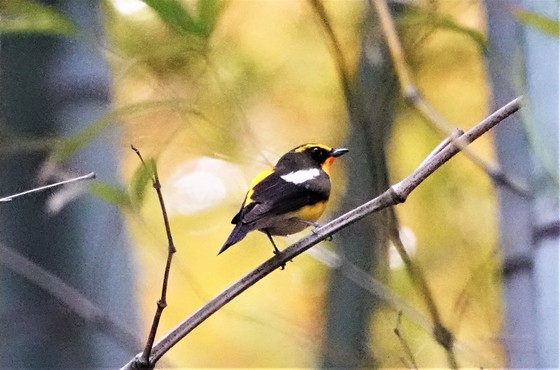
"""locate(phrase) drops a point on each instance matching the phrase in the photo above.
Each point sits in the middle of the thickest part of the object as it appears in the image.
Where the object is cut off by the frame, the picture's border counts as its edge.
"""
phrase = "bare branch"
(162, 302)
(394, 195)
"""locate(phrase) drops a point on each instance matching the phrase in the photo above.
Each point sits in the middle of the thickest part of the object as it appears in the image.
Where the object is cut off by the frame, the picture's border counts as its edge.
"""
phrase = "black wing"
(275, 196)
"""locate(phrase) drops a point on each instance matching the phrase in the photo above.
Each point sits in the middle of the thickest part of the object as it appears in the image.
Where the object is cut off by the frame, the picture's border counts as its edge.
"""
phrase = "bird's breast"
(311, 212)
(292, 223)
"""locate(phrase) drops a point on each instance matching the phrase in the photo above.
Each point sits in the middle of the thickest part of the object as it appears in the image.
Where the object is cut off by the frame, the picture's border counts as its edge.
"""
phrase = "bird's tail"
(238, 233)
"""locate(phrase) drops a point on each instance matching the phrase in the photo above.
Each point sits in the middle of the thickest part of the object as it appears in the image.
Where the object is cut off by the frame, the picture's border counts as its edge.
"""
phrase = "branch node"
(411, 95)
(396, 194)
(443, 336)
(499, 178)
(161, 304)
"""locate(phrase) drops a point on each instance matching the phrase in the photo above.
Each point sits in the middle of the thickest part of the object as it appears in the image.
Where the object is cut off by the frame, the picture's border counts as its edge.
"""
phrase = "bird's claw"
(314, 231)
(278, 253)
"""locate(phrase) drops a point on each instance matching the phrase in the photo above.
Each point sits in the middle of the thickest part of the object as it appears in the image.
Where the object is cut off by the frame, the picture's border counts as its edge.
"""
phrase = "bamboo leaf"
(183, 21)
(110, 194)
(209, 12)
(173, 15)
(140, 179)
(546, 25)
(29, 17)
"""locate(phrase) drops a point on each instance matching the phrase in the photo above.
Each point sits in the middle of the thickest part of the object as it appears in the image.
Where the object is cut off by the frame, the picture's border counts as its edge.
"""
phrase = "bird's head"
(310, 156)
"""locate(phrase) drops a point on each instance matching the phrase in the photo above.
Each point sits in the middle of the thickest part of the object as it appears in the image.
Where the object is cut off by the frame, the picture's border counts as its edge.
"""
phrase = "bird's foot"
(278, 253)
(315, 227)
(276, 250)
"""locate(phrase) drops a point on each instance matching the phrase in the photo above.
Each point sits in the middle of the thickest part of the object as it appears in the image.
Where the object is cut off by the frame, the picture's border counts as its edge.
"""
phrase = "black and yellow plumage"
(288, 198)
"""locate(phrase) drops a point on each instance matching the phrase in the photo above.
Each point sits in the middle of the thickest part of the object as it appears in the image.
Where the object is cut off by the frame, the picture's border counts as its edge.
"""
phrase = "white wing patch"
(301, 176)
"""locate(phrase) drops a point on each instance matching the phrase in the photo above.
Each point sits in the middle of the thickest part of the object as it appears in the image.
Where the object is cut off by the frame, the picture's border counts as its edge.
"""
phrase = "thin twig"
(404, 343)
(440, 333)
(9, 198)
(162, 302)
(413, 96)
(394, 195)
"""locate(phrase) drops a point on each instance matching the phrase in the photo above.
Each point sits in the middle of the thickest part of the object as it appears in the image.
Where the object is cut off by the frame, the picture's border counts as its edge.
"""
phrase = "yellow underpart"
(256, 180)
(310, 213)
(307, 146)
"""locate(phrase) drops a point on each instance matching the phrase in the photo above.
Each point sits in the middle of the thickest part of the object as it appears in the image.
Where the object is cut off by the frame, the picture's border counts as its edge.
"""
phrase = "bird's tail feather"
(238, 233)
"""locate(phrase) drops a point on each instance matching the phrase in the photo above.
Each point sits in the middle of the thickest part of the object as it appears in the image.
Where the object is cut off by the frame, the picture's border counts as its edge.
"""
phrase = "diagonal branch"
(396, 194)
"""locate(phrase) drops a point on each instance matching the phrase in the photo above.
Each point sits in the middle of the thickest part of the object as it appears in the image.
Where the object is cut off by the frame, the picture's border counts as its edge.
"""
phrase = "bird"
(289, 197)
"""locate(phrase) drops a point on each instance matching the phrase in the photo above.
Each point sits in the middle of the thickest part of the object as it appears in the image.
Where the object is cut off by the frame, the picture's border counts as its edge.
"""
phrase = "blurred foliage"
(182, 21)
(417, 16)
(546, 25)
(110, 194)
(143, 175)
(26, 16)
(217, 91)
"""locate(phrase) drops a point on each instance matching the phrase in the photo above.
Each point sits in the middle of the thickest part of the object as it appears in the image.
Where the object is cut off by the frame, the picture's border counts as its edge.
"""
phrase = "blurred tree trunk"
(56, 86)
(521, 56)
(349, 308)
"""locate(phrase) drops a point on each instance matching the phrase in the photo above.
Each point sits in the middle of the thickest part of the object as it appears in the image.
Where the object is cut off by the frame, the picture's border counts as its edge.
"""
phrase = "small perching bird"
(288, 198)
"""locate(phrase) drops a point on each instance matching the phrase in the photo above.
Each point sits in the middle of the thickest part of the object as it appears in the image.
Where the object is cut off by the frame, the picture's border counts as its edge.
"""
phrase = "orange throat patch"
(327, 165)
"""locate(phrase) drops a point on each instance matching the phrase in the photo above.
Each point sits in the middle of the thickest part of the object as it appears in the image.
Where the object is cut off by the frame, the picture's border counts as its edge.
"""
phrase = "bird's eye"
(315, 151)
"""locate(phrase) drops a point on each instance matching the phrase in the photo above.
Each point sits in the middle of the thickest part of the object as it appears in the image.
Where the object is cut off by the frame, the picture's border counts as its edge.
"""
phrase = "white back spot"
(301, 176)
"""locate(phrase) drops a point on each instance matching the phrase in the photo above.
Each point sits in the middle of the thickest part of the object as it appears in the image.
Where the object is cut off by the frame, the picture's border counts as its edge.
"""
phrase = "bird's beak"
(338, 152)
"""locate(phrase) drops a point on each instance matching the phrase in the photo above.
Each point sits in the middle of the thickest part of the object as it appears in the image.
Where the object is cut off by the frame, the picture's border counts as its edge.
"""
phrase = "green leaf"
(179, 19)
(140, 179)
(173, 14)
(23, 16)
(68, 147)
(208, 12)
(546, 25)
(110, 194)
